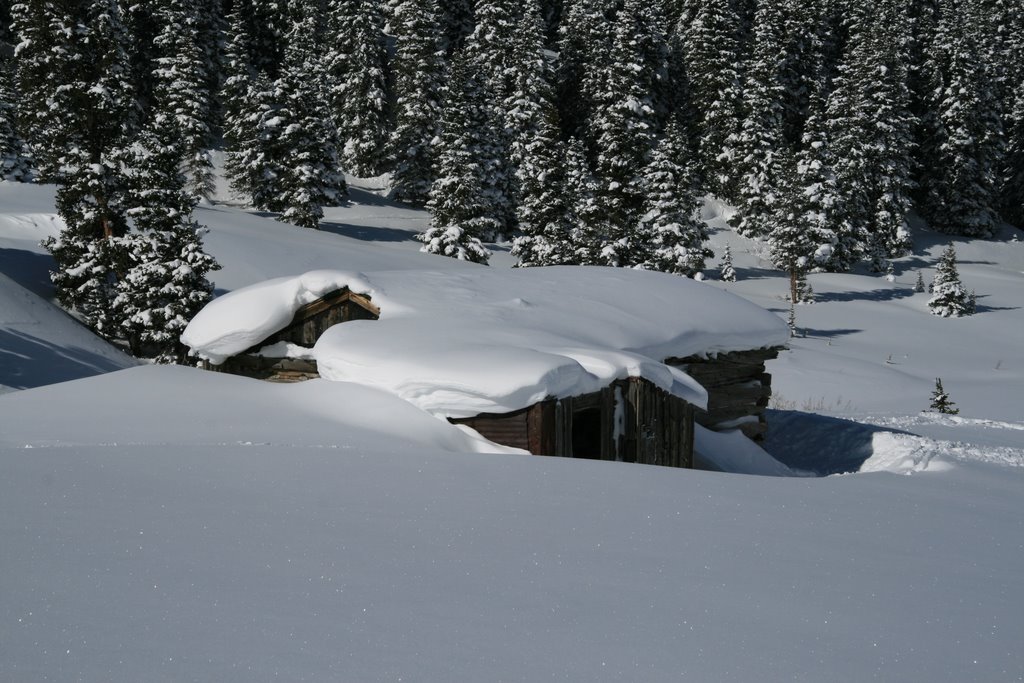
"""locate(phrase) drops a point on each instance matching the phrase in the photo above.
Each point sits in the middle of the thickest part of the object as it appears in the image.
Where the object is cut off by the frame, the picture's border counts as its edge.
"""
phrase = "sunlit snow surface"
(489, 340)
(168, 524)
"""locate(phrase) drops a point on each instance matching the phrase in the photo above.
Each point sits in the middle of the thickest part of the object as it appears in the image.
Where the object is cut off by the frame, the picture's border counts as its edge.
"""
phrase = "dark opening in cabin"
(586, 433)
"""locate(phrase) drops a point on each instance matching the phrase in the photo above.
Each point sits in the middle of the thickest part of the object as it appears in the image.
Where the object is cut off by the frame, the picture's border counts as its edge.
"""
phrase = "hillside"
(164, 523)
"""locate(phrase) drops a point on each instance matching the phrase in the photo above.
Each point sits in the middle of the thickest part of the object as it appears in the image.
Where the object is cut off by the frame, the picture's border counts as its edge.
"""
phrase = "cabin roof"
(487, 340)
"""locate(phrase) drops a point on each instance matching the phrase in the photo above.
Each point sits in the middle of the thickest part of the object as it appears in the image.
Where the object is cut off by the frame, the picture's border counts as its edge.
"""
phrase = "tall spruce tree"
(755, 153)
(678, 237)
(949, 297)
(357, 78)
(163, 282)
(14, 161)
(627, 128)
(494, 51)
(708, 45)
(542, 206)
(1011, 192)
(419, 70)
(90, 115)
(961, 174)
(586, 216)
(870, 128)
(309, 175)
(181, 92)
(462, 200)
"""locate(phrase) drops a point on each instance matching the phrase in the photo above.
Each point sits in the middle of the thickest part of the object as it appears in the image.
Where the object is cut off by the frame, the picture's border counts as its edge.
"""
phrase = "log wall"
(738, 389)
(656, 428)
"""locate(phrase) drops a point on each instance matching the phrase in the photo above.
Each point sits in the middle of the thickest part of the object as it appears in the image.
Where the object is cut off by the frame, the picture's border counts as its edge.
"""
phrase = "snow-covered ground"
(168, 524)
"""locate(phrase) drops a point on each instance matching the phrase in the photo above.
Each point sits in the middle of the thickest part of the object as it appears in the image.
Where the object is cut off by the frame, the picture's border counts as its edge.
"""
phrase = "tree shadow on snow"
(28, 269)
(887, 294)
(815, 333)
(817, 444)
(27, 361)
(367, 233)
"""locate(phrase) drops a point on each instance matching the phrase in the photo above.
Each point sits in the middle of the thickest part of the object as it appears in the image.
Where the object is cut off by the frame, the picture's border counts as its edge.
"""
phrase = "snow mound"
(459, 343)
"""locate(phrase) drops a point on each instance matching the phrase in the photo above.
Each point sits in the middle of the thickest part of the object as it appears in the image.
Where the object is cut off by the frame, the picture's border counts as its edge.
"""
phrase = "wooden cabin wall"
(657, 427)
(738, 389)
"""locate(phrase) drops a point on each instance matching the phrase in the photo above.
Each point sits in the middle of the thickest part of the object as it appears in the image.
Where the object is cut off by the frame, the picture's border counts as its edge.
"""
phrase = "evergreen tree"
(308, 172)
(91, 114)
(457, 21)
(584, 57)
(678, 238)
(1012, 176)
(589, 226)
(357, 75)
(708, 47)
(163, 283)
(728, 272)
(960, 182)
(462, 200)
(419, 81)
(940, 400)
(949, 298)
(919, 283)
(542, 207)
(870, 128)
(181, 92)
(14, 162)
(797, 241)
(754, 154)
(495, 52)
(627, 130)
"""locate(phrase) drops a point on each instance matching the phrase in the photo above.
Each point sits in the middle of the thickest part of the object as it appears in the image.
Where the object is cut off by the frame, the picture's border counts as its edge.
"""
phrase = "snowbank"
(487, 340)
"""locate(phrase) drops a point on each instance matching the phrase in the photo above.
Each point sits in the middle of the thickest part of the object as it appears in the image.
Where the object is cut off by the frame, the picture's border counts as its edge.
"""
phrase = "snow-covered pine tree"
(163, 282)
(960, 180)
(462, 202)
(627, 130)
(708, 45)
(674, 233)
(919, 283)
(726, 270)
(14, 161)
(754, 153)
(457, 21)
(870, 128)
(357, 80)
(940, 400)
(245, 95)
(46, 62)
(589, 225)
(1011, 192)
(949, 298)
(181, 93)
(493, 50)
(309, 175)
(584, 54)
(797, 239)
(419, 72)
(92, 116)
(542, 205)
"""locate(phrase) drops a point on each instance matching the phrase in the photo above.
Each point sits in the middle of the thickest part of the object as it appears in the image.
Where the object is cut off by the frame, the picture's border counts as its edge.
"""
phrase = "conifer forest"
(581, 131)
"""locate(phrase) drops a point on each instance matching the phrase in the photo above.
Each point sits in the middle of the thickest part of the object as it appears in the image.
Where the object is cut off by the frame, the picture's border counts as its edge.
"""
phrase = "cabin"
(629, 416)
(630, 420)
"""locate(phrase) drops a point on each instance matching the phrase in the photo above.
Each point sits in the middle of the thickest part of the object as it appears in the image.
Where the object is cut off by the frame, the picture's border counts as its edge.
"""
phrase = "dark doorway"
(586, 433)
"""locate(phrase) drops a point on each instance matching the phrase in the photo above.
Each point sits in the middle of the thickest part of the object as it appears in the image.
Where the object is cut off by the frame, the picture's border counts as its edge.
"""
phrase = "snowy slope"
(166, 524)
(201, 527)
(39, 343)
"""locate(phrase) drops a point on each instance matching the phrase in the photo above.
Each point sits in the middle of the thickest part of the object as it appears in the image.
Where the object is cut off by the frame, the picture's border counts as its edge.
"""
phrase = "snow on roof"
(465, 342)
